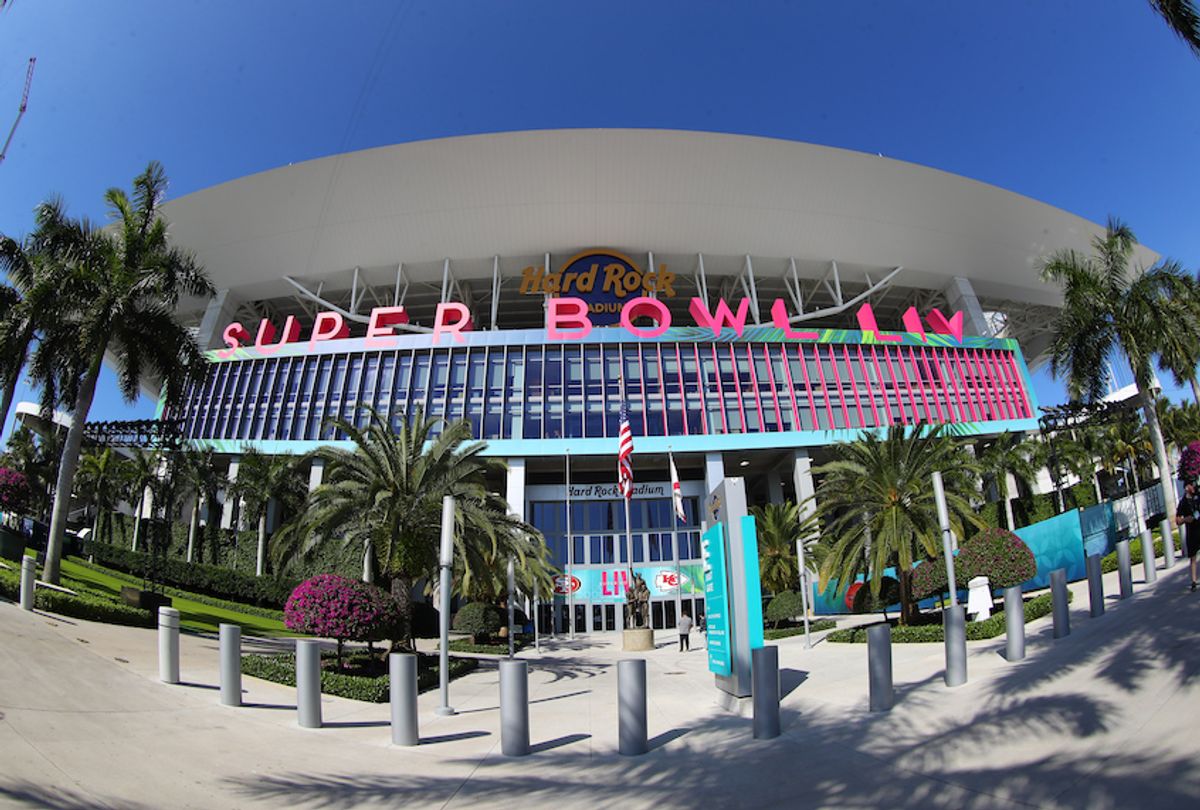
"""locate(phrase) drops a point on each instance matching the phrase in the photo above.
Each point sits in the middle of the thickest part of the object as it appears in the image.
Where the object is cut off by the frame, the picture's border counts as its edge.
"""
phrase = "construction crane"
(21, 109)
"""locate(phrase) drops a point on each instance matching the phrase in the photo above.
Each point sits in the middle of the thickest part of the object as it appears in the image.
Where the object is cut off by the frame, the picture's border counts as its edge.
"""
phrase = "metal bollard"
(231, 664)
(514, 708)
(879, 666)
(1058, 592)
(402, 678)
(308, 683)
(1168, 538)
(28, 581)
(1095, 577)
(1124, 572)
(954, 629)
(168, 645)
(632, 737)
(1149, 563)
(764, 665)
(1014, 623)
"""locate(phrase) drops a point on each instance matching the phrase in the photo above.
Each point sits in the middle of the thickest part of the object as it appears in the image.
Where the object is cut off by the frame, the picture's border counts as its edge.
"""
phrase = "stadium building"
(751, 301)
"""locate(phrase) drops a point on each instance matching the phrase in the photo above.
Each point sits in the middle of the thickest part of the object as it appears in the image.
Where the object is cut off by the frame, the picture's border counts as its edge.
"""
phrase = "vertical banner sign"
(716, 601)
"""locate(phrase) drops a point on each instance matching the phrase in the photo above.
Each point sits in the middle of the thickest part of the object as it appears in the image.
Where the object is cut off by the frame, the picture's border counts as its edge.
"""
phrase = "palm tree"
(260, 479)
(37, 457)
(1180, 423)
(117, 297)
(386, 496)
(1184, 19)
(144, 467)
(24, 302)
(198, 477)
(1009, 455)
(1108, 306)
(103, 475)
(877, 506)
(778, 527)
(1127, 445)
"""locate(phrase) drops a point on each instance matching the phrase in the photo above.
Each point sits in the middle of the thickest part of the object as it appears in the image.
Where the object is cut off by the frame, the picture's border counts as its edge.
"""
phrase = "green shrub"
(865, 602)
(282, 669)
(783, 606)
(999, 555)
(480, 619)
(1108, 563)
(787, 632)
(466, 646)
(993, 626)
(85, 606)
(206, 579)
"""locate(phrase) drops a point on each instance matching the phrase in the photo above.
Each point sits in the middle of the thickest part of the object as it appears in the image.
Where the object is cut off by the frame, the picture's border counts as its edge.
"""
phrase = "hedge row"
(1108, 563)
(204, 599)
(282, 669)
(991, 627)
(211, 580)
(85, 606)
(1032, 509)
(787, 632)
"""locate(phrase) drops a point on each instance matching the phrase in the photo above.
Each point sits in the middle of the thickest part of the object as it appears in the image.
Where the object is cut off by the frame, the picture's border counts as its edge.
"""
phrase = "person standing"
(1188, 513)
(685, 628)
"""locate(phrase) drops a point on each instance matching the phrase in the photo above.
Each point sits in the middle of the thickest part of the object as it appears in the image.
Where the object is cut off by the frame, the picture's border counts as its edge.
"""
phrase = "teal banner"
(1056, 543)
(754, 614)
(716, 602)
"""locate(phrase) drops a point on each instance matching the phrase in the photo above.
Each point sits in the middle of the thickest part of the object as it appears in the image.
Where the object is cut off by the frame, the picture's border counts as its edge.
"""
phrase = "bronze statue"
(637, 604)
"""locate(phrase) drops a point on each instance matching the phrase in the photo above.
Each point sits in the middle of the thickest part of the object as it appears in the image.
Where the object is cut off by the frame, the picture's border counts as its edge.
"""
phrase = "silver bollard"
(632, 737)
(954, 628)
(402, 677)
(1014, 623)
(168, 645)
(1095, 575)
(1058, 594)
(308, 683)
(1168, 538)
(1124, 572)
(1149, 563)
(514, 708)
(764, 667)
(28, 581)
(879, 666)
(231, 664)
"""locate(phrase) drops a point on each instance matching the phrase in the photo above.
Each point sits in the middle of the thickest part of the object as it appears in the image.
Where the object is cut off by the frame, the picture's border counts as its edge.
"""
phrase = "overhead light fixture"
(744, 463)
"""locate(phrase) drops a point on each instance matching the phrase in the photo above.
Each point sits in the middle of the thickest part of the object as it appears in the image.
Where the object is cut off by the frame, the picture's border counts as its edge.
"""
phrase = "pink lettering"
(380, 334)
(716, 323)
(443, 325)
(235, 335)
(866, 322)
(912, 322)
(648, 308)
(943, 326)
(779, 317)
(328, 326)
(266, 335)
(570, 314)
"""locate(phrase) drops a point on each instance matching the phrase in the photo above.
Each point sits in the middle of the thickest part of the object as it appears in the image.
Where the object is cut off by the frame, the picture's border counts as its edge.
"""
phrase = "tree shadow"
(25, 793)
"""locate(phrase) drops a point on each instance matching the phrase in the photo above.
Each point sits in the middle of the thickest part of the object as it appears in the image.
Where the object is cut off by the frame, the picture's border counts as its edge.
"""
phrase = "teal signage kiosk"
(732, 591)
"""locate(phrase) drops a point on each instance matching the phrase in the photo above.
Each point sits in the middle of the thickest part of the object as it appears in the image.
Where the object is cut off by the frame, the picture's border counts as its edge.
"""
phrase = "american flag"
(624, 455)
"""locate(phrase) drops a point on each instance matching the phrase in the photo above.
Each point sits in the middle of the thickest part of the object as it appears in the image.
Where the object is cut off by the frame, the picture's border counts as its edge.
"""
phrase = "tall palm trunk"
(402, 594)
(193, 528)
(368, 566)
(1160, 453)
(908, 605)
(262, 544)
(1195, 389)
(70, 463)
(10, 392)
(137, 520)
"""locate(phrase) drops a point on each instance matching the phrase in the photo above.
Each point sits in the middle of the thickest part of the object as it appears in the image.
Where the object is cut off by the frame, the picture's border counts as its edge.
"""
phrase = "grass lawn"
(192, 615)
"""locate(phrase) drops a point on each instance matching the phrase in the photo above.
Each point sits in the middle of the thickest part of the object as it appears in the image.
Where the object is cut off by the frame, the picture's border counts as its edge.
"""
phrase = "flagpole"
(570, 559)
(675, 542)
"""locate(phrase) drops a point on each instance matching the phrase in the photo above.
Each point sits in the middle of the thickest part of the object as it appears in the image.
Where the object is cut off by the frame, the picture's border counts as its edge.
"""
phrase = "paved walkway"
(1107, 718)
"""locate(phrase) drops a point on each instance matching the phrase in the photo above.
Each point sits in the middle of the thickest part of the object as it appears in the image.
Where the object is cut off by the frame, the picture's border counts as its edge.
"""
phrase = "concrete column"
(308, 683)
(221, 311)
(714, 474)
(515, 487)
(960, 295)
(765, 691)
(1058, 593)
(227, 509)
(28, 581)
(168, 645)
(805, 490)
(231, 664)
(632, 736)
(402, 676)
(514, 708)
(1095, 575)
(316, 474)
(1149, 563)
(774, 487)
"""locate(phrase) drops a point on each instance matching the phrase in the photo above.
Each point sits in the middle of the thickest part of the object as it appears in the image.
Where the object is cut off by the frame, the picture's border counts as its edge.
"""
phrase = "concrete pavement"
(1108, 717)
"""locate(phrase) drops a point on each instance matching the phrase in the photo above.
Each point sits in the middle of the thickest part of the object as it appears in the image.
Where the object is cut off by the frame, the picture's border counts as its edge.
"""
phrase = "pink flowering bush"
(1189, 462)
(340, 608)
(14, 492)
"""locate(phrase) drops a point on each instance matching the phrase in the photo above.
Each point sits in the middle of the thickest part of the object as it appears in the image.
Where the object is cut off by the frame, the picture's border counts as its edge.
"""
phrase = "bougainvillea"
(14, 492)
(340, 608)
(929, 578)
(1189, 462)
(997, 554)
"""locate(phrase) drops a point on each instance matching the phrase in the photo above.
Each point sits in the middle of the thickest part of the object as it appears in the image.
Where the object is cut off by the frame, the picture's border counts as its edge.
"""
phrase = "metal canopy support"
(650, 269)
(348, 315)
(749, 288)
(495, 290)
(793, 287)
(846, 304)
(701, 278)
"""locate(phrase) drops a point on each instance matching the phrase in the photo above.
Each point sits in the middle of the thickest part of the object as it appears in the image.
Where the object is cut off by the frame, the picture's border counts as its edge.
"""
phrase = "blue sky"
(1092, 106)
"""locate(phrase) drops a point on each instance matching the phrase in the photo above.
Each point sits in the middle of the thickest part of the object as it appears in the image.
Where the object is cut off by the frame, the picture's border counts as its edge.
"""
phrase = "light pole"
(446, 562)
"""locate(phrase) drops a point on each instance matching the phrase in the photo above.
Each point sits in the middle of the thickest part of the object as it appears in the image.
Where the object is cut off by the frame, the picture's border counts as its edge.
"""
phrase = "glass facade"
(575, 390)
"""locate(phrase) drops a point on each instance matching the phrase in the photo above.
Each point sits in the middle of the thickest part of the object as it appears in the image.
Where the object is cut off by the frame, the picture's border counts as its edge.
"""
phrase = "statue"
(637, 604)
